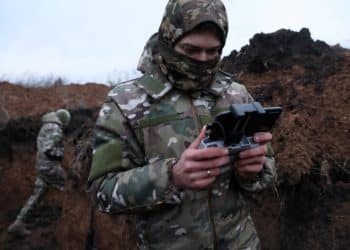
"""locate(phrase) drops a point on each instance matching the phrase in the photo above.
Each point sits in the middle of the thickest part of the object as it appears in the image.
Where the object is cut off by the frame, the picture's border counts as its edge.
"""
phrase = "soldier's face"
(201, 45)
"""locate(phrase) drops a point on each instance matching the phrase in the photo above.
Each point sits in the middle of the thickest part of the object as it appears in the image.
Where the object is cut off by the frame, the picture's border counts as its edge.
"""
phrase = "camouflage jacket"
(50, 151)
(146, 124)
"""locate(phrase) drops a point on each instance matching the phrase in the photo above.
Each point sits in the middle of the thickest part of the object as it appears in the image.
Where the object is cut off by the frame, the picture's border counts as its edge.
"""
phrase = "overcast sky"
(97, 40)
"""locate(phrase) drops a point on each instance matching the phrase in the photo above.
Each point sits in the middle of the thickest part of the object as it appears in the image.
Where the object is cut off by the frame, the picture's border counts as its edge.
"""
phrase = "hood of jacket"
(180, 18)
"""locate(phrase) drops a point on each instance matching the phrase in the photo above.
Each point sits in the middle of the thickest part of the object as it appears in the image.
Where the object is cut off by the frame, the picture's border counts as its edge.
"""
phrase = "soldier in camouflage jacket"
(48, 165)
(147, 159)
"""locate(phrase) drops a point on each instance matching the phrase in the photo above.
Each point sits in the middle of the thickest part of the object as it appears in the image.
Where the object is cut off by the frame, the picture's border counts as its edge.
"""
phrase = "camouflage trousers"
(40, 189)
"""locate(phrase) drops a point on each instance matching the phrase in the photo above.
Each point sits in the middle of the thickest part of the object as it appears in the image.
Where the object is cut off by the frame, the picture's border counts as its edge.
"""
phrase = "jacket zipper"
(210, 202)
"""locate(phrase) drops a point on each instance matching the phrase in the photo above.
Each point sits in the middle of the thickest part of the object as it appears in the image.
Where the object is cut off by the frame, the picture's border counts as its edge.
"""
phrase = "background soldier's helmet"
(64, 116)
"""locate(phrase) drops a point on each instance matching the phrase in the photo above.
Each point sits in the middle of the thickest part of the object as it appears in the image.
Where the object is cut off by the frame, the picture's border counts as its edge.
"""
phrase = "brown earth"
(308, 209)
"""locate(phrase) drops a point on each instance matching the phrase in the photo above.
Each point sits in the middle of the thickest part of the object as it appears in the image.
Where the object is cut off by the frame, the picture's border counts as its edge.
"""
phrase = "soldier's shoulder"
(144, 87)
(225, 74)
(133, 97)
(124, 88)
(227, 79)
(225, 82)
(50, 126)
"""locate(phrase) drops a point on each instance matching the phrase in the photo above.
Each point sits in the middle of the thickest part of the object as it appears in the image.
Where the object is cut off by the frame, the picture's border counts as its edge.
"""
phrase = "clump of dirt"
(307, 209)
(282, 50)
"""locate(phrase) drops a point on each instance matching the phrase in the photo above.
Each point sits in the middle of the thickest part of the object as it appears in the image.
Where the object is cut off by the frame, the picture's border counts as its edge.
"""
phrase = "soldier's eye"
(189, 50)
(213, 51)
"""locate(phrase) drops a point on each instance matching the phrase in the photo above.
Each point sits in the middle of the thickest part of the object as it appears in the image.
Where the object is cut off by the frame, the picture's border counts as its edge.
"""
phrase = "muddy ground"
(309, 208)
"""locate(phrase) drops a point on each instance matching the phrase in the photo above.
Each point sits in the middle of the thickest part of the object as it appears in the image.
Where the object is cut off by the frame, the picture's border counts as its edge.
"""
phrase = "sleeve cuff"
(263, 179)
(172, 194)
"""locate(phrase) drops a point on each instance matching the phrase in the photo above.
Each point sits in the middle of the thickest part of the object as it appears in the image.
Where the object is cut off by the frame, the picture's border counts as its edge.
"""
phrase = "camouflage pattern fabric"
(180, 18)
(140, 131)
(149, 56)
(48, 163)
(40, 189)
(186, 73)
(143, 127)
(50, 152)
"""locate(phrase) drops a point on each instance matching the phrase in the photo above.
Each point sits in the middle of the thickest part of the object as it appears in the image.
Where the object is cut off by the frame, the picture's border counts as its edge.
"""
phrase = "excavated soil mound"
(311, 81)
(308, 209)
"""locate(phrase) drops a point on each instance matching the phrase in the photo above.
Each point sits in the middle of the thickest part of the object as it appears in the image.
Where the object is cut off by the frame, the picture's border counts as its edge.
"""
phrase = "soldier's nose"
(202, 56)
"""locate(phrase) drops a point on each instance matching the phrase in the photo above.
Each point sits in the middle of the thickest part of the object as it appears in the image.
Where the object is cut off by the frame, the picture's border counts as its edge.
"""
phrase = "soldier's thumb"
(200, 137)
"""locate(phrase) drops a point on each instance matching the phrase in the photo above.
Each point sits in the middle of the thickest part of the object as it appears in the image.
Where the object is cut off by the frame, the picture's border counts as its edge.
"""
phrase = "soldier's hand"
(251, 161)
(197, 167)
